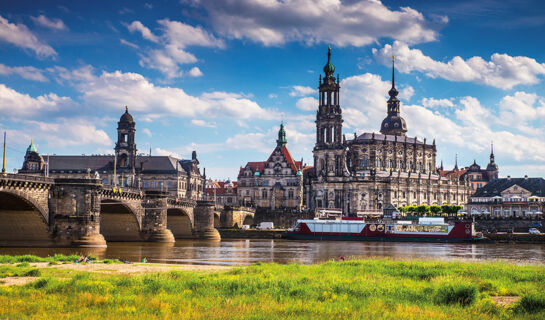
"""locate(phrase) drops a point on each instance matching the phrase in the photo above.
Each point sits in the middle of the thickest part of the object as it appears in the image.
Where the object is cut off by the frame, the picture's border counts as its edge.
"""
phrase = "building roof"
(31, 147)
(101, 163)
(260, 165)
(494, 188)
(368, 136)
(221, 187)
(453, 174)
(126, 117)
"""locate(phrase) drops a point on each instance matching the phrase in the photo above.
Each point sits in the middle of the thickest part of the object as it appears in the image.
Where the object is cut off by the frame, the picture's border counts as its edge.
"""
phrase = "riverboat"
(357, 229)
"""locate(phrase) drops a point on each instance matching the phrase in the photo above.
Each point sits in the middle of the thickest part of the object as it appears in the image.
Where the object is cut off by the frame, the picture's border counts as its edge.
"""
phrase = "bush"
(456, 293)
(33, 273)
(532, 303)
(23, 264)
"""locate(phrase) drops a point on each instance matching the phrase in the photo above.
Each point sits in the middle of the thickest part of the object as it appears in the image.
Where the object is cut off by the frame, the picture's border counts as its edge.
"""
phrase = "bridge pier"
(74, 211)
(204, 221)
(154, 222)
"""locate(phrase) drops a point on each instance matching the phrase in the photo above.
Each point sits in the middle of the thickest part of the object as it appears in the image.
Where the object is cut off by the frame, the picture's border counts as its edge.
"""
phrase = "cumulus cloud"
(307, 104)
(354, 23)
(202, 123)
(115, 89)
(27, 72)
(523, 111)
(147, 132)
(55, 24)
(20, 36)
(137, 26)
(301, 91)
(436, 103)
(172, 52)
(13, 103)
(69, 132)
(195, 72)
(502, 71)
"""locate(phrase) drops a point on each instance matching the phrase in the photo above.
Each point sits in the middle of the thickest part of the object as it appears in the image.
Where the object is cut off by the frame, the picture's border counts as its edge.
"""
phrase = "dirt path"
(131, 267)
(16, 281)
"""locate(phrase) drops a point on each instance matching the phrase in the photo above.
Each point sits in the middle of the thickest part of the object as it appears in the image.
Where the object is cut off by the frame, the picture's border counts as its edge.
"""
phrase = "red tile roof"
(260, 165)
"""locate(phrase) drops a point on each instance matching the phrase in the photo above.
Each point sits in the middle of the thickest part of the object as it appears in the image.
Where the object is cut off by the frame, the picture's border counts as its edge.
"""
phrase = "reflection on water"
(241, 252)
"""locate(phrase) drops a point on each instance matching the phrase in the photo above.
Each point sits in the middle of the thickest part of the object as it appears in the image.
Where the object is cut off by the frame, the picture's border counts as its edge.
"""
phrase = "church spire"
(329, 68)
(393, 91)
(282, 140)
(456, 163)
(492, 152)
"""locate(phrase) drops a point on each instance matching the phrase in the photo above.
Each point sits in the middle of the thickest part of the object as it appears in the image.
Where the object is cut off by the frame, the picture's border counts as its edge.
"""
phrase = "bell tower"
(125, 147)
(328, 149)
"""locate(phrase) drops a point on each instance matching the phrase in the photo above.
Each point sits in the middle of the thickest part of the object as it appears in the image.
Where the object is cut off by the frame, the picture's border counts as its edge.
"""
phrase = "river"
(242, 252)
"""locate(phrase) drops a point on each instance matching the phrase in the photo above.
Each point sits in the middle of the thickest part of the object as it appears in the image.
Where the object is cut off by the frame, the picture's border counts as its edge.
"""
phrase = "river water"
(242, 252)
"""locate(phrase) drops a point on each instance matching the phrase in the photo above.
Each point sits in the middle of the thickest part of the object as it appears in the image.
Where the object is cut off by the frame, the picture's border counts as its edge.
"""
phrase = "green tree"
(421, 209)
(435, 209)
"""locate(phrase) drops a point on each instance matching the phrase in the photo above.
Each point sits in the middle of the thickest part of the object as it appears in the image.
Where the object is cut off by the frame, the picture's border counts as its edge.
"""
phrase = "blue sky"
(219, 76)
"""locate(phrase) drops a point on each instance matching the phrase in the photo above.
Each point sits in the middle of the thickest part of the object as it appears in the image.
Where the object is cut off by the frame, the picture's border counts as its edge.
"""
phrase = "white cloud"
(116, 89)
(195, 72)
(144, 31)
(523, 111)
(20, 36)
(502, 71)
(14, 103)
(67, 132)
(55, 24)
(406, 93)
(164, 152)
(354, 23)
(128, 43)
(202, 123)
(27, 72)
(307, 104)
(436, 103)
(273, 96)
(173, 42)
(147, 132)
(301, 91)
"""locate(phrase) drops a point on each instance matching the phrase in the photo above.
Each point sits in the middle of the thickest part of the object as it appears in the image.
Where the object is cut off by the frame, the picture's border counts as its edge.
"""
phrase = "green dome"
(31, 147)
(256, 173)
(299, 172)
(329, 68)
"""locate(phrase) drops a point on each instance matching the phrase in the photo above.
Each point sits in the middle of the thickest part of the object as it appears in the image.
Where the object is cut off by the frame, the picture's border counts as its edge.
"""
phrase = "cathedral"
(363, 174)
(181, 178)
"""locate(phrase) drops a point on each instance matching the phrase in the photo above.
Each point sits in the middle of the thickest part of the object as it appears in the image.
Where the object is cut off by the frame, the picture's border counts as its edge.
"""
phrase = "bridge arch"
(23, 221)
(217, 220)
(119, 221)
(180, 222)
(248, 219)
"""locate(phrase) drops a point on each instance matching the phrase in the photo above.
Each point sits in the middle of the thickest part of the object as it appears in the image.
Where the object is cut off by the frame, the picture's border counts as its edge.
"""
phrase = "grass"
(32, 258)
(354, 289)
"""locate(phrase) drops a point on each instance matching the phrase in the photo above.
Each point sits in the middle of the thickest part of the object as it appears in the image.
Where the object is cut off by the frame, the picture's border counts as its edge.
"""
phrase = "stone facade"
(274, 183)
(509, 197)
(223, 193)
(363, 174)
(181, 178)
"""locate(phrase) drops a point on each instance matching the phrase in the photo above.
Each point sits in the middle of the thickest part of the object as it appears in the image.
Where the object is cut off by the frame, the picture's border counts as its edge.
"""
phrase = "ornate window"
(364, 162)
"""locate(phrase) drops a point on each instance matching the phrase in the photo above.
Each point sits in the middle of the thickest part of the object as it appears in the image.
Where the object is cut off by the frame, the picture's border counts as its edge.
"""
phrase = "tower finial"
(393, 74)
(126, 108)
(456, 162)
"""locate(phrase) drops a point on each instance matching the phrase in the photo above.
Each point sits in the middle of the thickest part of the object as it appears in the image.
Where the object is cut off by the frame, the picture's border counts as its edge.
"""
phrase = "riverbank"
(352, 289)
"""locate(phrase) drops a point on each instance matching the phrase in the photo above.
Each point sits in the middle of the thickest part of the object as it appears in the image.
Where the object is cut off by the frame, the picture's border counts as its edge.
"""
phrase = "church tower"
(492, 168)
(329, 122)
(125, 148)
(393, 124)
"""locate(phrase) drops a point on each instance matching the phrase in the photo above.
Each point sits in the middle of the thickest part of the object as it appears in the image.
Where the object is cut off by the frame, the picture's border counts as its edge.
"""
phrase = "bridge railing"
(26, 177)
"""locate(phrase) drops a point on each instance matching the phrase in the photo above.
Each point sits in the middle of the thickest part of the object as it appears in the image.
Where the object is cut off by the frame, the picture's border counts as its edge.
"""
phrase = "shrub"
(23, 264)
(456, 293)
(33, 273)
(532, 303)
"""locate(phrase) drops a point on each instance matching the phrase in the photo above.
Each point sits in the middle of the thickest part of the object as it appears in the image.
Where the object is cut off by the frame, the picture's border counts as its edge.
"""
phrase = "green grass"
(354, 289)
(32, 258)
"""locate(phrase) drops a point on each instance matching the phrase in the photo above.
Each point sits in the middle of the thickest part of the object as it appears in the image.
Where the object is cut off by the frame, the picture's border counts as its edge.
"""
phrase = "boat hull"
(327, 237)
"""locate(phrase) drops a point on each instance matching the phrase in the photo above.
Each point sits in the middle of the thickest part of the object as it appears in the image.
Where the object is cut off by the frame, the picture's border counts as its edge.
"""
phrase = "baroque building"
(363, 174)
(509, 197)
(223, 193)
(125, 168)
(276, 183)
(474, 175)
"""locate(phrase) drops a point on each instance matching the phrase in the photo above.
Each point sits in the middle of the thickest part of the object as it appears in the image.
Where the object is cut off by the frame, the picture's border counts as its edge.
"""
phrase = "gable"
(515, 190)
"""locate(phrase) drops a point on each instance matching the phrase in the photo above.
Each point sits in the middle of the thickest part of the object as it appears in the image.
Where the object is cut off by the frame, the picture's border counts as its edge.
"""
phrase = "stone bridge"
(41, 211)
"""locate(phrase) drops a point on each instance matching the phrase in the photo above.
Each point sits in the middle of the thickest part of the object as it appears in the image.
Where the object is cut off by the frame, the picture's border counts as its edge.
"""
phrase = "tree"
(435, 209)
(421, 209)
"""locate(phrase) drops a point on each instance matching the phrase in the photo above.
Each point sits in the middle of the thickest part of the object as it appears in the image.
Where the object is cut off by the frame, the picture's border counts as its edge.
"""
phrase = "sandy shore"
(129, 267)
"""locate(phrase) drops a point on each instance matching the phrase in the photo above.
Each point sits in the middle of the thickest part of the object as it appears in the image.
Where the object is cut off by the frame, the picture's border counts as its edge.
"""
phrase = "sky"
(218, 76)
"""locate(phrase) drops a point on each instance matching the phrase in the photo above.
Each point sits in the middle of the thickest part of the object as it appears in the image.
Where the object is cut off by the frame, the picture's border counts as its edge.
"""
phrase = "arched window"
(400, 164)
(390, 163)
(364, 162)
(379, 163)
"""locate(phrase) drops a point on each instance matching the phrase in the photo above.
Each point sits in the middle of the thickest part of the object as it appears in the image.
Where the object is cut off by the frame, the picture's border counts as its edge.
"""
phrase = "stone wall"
(501, 225)
(281, 219)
